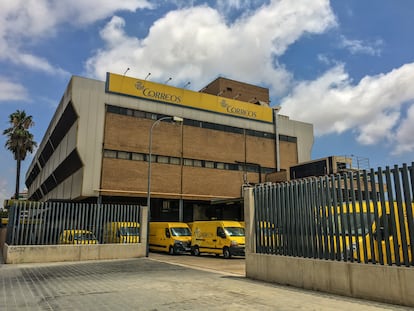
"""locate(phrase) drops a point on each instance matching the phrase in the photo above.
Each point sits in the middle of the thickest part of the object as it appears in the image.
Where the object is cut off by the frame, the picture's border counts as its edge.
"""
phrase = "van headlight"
(234, 243)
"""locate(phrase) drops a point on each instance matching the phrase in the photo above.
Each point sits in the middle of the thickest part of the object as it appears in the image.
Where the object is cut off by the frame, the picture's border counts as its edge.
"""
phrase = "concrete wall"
(374, 282)
(13, 254)
(390, 284)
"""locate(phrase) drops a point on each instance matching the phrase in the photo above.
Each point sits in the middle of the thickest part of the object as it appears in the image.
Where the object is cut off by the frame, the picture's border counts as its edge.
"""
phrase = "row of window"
(134, 156)
(69, 166)
(65, 122)
(201, 124)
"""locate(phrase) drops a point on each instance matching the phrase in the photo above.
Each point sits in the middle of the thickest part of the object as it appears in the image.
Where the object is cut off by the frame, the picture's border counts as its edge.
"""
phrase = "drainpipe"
(276, 126)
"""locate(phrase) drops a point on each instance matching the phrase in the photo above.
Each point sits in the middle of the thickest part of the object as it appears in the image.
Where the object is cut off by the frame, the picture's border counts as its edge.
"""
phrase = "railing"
(35, 223)
(362, 216)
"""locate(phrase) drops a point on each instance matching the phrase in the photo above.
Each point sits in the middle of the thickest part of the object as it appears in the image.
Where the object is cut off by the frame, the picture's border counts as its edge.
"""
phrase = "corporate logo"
(239, 111)
(154, 94)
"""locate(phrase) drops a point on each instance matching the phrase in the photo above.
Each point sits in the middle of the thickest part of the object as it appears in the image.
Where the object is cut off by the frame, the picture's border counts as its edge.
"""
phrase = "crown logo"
(139, 86)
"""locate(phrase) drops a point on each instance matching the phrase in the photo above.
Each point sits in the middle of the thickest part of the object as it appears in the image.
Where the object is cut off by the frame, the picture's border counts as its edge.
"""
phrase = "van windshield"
(129, 231)
(234, 231)
(180, 232)
(354, 224)
(85, 236)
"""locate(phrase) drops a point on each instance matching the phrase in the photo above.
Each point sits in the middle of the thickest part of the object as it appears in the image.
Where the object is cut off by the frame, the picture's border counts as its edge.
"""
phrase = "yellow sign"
(168, 94)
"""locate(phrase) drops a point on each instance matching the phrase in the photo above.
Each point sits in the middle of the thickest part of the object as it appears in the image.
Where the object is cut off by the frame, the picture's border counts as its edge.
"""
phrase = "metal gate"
(357, 216)
(43, 223)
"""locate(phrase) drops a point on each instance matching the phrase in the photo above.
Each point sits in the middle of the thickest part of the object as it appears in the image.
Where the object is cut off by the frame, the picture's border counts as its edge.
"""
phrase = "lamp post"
(175, 119)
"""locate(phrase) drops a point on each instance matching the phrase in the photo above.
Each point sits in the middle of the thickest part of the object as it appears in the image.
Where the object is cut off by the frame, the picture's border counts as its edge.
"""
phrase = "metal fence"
(36, 223)
(362, 216)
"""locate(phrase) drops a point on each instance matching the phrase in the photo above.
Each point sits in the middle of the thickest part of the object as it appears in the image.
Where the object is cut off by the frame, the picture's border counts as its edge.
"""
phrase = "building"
(321, 167)
(96, 148)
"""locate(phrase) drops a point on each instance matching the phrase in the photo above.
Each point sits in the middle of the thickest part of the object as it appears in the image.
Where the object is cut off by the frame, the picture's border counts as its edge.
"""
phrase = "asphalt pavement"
(159, 282)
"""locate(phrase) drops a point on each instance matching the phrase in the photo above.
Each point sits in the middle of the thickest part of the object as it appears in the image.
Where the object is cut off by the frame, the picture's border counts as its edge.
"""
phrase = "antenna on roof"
(168, 80)
(149, 73)
(237, 96)
(126, 71)
(220, 93)
(187, 84)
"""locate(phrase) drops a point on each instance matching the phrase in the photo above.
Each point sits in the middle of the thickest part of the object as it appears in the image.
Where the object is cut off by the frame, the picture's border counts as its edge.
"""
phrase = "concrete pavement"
(152, 284)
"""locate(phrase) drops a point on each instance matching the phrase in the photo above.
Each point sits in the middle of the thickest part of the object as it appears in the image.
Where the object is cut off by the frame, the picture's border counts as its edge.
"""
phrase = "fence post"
(144, 225)
(249, 220)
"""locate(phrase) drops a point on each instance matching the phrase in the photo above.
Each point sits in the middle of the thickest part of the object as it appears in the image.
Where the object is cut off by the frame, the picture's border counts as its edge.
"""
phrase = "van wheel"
(226, 253)
(195, 251)
(171, 251)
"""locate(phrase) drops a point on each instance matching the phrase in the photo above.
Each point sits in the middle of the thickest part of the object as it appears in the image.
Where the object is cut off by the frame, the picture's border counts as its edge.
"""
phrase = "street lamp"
(175, 119)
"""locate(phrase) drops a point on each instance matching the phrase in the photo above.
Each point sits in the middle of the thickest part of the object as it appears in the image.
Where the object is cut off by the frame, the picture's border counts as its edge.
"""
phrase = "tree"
(19, 140)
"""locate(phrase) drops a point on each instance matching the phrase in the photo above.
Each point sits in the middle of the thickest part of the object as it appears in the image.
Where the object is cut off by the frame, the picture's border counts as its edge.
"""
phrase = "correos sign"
(123, 85)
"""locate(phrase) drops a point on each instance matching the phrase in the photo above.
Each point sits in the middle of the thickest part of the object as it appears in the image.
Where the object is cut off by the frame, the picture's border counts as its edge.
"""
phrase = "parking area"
(160, 282)
(233, 266)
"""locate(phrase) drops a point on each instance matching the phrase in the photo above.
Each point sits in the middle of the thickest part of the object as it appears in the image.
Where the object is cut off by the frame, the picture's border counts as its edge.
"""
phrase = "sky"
(347, 67)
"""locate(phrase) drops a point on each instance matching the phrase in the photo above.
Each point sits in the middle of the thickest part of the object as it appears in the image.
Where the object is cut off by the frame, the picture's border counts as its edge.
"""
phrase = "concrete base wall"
(55, 253)
(388, 284)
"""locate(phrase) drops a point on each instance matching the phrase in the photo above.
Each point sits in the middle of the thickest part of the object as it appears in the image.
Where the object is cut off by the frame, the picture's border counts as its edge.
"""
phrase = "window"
(109, 153)
(163, 159)
(220, 165)
(209, 164)
(139, 114)
(138, 157)
(124, 155)
(174, 160)
(197, 163)
(188, 162)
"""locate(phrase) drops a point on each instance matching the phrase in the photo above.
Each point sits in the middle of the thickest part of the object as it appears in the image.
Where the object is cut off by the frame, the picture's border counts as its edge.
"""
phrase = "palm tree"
(19, 140)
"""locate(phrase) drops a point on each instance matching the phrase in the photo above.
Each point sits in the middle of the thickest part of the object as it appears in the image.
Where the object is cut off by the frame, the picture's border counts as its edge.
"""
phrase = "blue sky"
(345, 66)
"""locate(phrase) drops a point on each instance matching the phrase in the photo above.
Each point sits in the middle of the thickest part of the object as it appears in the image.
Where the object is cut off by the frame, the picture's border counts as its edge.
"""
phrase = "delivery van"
(392, 233)
(171, 237)
(357, 223)
(77, 237)
(220, 237)
(121, 232)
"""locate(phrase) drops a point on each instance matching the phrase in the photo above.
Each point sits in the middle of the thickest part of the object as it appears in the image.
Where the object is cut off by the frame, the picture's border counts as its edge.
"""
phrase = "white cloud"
(360, 47)
(10, 91)
(25, 21)
(372, 108)
(4, 191)
(37, 63)
(404, 134)
(230, 6)
(196, 44)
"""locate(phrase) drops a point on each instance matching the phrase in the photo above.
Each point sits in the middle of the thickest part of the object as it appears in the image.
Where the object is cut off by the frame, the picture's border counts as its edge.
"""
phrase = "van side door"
(220, 238)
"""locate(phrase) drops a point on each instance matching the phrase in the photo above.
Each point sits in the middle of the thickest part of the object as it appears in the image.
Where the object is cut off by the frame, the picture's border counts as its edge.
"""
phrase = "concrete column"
(249, 220)
(181, 210)
(144, 225)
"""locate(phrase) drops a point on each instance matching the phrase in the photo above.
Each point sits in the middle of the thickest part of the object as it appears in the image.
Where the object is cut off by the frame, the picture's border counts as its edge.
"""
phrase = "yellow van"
(218, 237)
(359, 239)
(393, 236)
(121, 232)
(77, 237)
(171, 237)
